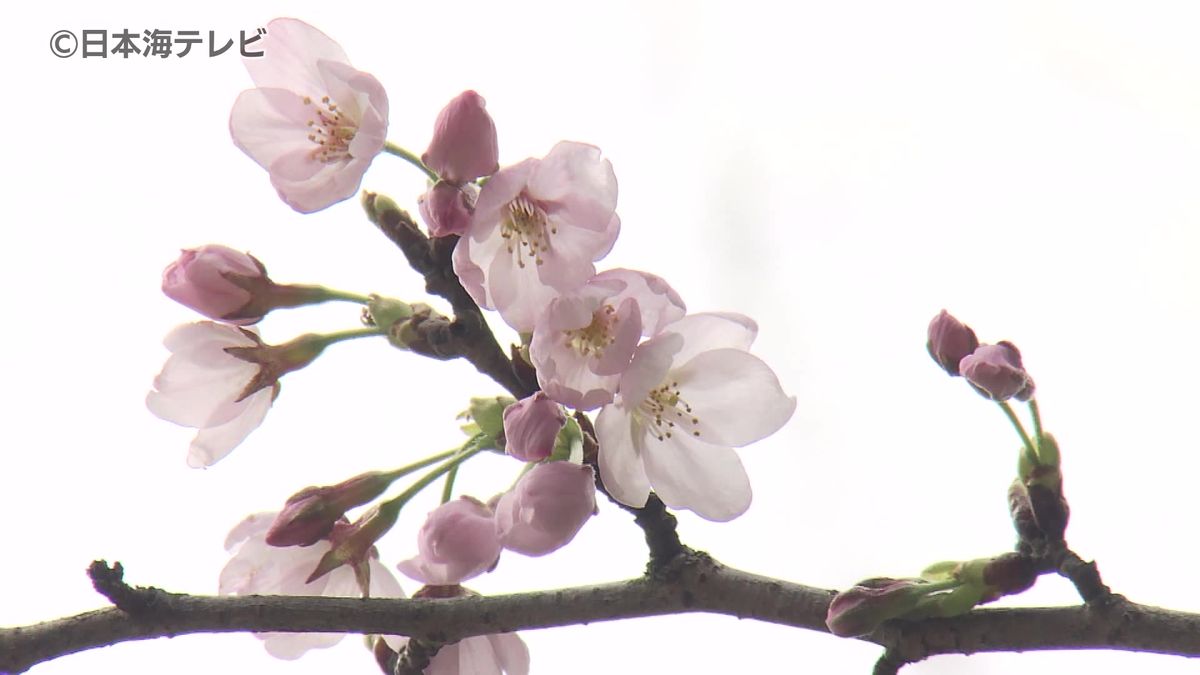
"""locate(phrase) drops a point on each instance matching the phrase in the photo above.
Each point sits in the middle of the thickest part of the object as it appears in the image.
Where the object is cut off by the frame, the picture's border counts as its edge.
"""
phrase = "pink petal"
(621, 467)
(213, 443)
(476, 657)
(651, 361)
(628, 331)
(660, 305)
(689, 474)
(580, 183)
(511, 652)
(713, 330)
(735, 396)
(268, 124)
(291, 49)
(492, 206)
(255, 525)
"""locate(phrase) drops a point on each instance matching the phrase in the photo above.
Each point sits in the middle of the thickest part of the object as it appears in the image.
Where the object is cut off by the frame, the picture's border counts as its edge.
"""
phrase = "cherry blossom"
(996, 372)
(531, 426)
(584, 341)
(950, 340)
(690, 395)
(205, 279)
(457, 542)
(538, 227)
(313, 122)
(546, 508)
(202, 385)
(257, 568)
(464, 146)
(446, 208)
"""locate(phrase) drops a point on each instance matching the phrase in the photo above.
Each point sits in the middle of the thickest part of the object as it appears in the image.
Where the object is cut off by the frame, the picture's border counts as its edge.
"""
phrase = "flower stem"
(1030, 452)
(346, 296)
(1037, 421)
(409, 157)
(462, 454)
(448, 489)
(407, 469)
(351, 334)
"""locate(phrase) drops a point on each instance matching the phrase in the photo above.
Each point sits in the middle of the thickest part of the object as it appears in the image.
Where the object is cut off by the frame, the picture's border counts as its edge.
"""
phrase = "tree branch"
(468, 335)
(693, 583)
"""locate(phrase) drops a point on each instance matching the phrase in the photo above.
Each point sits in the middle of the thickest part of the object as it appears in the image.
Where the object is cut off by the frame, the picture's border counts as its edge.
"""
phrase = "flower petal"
(511, 652)
(213, 443)
(735, 396)
(290, 49)
(713, 330)
(690, 474)
(620, 464)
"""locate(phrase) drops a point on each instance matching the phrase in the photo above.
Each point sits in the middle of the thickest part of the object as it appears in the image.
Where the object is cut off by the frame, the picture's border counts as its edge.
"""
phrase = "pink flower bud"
(446, 208)
(457, 542)
(212, 280)
(464, 141)
(310, 514)
(860, 610)
(530, 427)
(546, 508)
(949, 341)
(354, 542)
(996, 372)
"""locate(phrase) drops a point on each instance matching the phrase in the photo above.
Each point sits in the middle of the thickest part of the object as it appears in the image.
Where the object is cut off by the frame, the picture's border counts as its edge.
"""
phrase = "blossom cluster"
(673, 393)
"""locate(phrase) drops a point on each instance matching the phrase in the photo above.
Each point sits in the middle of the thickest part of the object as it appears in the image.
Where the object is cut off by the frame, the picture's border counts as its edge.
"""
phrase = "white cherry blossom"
(691, 395)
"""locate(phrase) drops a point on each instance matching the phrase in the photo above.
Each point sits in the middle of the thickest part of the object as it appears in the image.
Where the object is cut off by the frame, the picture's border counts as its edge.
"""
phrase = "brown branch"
(468, 335)
(694, 583)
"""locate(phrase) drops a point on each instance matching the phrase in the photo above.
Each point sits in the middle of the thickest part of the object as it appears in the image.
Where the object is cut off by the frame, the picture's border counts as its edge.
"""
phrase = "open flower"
(691, 395)
(585, 340)
(257, 568)
(457, 542)
(546, 508)
(203, 386)
(538, 227)
(313, 122)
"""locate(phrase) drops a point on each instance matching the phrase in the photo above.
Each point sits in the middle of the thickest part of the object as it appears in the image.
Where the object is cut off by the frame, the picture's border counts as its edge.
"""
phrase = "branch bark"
(693, 583)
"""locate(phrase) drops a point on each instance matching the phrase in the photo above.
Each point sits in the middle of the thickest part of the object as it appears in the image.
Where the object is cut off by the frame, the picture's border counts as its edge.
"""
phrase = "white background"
(839, 171)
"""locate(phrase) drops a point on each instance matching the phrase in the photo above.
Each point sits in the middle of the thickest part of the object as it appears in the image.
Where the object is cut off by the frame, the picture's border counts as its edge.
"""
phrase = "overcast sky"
(838, 171)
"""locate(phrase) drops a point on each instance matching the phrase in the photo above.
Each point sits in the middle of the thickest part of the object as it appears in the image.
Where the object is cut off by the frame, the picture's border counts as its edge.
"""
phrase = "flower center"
(526, 230)
(663, 407)
(331, 131)
(591, 340)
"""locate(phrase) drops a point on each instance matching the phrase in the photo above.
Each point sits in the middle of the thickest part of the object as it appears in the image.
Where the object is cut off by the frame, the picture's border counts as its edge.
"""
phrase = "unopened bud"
(311, 513)
(216, 281)
(949, 341)
(531, 426)
(995, 371)
(354, 542)
(1021, 511)
(1050, 508)
(464, 141)
(861, 609)
(1009, 574)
